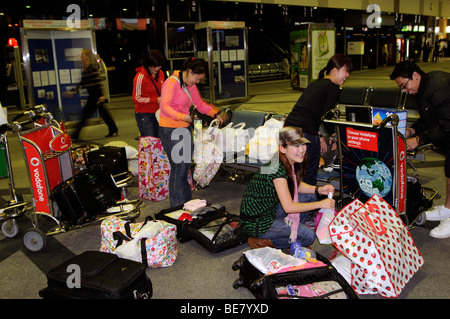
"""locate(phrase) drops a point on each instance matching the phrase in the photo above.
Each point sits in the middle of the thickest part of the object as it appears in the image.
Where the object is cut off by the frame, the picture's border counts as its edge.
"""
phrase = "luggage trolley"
(16, 206)
(373, 161)
(47, 151)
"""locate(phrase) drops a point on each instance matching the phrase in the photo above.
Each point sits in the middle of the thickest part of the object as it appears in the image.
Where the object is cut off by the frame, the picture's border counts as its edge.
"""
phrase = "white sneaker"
(437, 213)
(441, 231)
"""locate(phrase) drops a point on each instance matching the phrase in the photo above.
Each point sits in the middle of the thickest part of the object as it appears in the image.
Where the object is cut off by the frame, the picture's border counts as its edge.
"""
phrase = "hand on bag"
(326, 189)
(327, 203)
(188, 118)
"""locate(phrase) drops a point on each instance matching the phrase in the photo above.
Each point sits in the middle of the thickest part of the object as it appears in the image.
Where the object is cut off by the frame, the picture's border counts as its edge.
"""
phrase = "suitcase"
(418, 200)
(218, 233)
(153, 169)
(85, 195)
(282, 285)
(101, 276)
(181, 218)
(113, 157)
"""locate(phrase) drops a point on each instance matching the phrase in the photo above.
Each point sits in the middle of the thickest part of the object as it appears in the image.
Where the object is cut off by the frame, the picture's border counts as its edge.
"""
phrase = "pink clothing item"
(175, 103)
(293, 220)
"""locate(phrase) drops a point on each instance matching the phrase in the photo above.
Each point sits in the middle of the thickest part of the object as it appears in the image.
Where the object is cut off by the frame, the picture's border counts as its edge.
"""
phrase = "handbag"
(208, 154)
(264, 143)
(383, 254)
(153, 169)
(152, 242)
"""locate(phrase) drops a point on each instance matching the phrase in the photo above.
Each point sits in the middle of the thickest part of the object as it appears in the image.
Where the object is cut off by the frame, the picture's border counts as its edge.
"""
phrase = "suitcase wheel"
(238, 283)
(238, 263)
(421, 220)
(34, 240)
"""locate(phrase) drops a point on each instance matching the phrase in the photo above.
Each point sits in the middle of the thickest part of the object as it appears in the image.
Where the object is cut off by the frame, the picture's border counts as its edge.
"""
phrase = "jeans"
(279, 232)
(147, 124)
(177, 143)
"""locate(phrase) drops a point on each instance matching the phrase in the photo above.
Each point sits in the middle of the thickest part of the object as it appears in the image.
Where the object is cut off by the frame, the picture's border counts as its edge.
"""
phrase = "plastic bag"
(322, 231)
(270, 260)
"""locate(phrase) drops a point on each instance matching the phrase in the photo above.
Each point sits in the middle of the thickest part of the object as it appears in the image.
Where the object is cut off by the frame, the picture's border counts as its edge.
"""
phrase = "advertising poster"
(322, 49)
(368, 161)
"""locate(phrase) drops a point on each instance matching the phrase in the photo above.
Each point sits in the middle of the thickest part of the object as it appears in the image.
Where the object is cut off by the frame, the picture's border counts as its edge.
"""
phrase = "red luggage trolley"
(47, 152)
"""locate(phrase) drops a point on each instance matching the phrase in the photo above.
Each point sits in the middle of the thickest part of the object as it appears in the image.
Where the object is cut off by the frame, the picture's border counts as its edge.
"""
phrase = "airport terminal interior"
(260, 49)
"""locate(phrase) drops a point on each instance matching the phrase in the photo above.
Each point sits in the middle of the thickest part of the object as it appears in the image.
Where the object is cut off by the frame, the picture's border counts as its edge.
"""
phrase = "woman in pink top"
(178, 93)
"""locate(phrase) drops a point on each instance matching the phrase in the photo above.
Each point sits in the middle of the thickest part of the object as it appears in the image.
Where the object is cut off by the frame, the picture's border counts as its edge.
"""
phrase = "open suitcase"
(181, 218)
(212, 226)
(285, 285)
(85, 195)
(102, 276)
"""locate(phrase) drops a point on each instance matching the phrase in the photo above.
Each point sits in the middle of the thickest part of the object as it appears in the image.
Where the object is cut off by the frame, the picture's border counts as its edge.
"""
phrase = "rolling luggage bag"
(98, 275)
(323, 280)
(181, 217)
(218, 233)
(113, 157)
(85, 195)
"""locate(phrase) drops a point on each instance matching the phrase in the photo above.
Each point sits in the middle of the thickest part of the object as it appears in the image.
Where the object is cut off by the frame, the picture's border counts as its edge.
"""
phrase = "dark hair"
(298, 167)
(405, 70)
(153, 58)
(336, 61)
(197, 66)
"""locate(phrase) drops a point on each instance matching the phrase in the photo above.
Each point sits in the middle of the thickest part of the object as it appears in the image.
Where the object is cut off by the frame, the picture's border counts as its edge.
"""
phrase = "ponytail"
(197, 66)
(336, 61)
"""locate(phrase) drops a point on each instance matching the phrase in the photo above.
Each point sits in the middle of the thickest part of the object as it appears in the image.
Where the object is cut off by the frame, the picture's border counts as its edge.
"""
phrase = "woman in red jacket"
(147, 92)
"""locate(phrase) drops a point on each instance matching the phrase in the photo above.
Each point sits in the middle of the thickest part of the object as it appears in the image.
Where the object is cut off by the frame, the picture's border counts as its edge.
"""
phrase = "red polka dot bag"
(383, 254)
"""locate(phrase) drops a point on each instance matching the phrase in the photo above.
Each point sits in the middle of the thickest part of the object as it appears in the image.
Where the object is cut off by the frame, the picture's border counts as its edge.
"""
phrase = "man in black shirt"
(432, 92)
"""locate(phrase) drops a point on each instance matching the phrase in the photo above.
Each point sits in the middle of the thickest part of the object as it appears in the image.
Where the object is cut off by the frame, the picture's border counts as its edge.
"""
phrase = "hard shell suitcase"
(181, 217)
(218, 233)
(98, 275)
(113, 157)
(274, 286)
(88, 193)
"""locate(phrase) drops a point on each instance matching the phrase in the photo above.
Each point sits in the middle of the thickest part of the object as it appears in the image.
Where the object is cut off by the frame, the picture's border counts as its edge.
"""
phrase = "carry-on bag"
(180, 216)
(383, 254)
(98, 275)
(85, 195)
(113, 157)
(218, 233)
(80, 156)
(312, 280)
(153, 169)
(155, 247)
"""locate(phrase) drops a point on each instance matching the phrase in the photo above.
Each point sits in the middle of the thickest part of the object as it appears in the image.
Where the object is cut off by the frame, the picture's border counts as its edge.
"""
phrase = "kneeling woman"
(270, 212)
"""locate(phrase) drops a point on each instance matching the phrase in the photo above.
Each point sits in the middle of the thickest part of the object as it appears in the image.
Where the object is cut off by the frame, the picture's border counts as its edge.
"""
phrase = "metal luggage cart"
(47, 151)
(373, 161)
(16, 206)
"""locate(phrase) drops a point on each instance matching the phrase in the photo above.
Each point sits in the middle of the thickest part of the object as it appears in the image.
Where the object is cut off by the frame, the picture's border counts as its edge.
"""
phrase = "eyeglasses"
(403, 86)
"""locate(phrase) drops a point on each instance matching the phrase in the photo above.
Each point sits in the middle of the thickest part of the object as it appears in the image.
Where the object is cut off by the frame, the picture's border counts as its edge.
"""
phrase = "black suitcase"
(208, 213)
(101, 276)
(113, 157)
(218, 233)
(85, 195)
(267, 287)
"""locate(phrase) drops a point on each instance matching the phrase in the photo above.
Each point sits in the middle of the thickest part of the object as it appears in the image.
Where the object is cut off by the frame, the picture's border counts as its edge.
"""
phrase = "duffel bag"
(152, 242)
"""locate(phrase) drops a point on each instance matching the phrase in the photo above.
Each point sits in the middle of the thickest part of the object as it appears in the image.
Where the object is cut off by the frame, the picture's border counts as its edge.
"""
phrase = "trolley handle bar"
(393, 118)
(31, 113)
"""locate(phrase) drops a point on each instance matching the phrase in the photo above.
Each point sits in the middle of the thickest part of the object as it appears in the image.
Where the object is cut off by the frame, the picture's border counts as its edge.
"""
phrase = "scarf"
(293, 219)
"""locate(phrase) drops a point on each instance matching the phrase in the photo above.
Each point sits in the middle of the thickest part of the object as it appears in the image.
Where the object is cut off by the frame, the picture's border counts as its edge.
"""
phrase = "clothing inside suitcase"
(298, 284)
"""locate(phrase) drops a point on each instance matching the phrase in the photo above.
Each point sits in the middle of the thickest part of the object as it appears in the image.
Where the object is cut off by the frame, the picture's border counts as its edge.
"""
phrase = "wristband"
(316, 191)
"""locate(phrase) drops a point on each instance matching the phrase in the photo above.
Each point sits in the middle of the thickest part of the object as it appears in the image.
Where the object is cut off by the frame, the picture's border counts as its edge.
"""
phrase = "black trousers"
(89, 109)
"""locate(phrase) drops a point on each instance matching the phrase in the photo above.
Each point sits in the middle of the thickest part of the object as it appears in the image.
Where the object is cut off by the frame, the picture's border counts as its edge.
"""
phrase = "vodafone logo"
(34, 161)
(38, 181)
